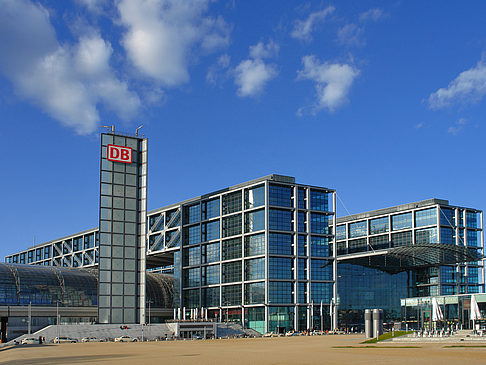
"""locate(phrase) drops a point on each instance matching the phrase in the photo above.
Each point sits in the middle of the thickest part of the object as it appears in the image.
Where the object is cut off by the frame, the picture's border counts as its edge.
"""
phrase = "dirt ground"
(291, 350)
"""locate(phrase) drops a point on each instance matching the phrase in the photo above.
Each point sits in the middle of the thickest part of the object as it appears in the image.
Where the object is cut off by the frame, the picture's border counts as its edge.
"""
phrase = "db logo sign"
(119, 153)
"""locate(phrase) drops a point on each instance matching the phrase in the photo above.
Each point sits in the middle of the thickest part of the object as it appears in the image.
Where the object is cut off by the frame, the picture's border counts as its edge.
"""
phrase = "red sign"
(119, 153)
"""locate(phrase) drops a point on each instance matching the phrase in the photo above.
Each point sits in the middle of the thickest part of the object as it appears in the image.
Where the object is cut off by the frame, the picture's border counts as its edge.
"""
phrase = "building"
(259, 253)
(263, 253)
(423, 249)
(42, 293)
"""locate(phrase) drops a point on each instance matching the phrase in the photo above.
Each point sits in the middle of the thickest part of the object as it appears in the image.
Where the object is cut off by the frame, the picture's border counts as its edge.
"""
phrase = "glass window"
(192, 214)
(319, 246)
(231, 295)
(471, 219)
(379, 225)
(210, 275)
(255, 294)
(402, 239)
(319, 200)
(232, 202)
(280, 292)
(473, 238)
(210, 252)
(191, 298)
(446, 235)
(255, 197)
(319, 223)
(232, 248)
(210, 231)
(280, 195)
(341, 232)
(255, 318)
(425, 217)
(192, 235)
(303, 269)
(192, 256)
(280, 220)
(210, 297)
(255, 245)
(232, 225)
(379, 242)
(446, 217)
(357, 229)
(255, 221)
(280, 268)
(302, 245)
(428, 235)
(210, 209)
(321, 292)
(401, 221)
(281, 316)
(321, 269)
(231, 272)
(301, 199)
(280, 244)
(255, 269)
(358, 245)
(301, 222)
(192, 277)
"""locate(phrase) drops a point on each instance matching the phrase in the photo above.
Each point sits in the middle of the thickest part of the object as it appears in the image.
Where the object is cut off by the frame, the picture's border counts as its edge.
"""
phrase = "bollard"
(377, 322)
(368, 323)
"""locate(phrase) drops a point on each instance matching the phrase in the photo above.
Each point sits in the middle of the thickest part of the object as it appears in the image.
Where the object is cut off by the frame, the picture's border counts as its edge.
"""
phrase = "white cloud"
(332, 81)
(303, 28)
(68, 82)
(372, 15)
(469, 86)
(252, 74)
(95, 6)
(215, 71)
(162, 36)
(457, 127)
(261, 50)
(350, 34)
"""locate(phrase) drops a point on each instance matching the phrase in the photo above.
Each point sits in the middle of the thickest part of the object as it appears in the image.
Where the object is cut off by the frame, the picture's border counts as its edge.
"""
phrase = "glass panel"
(319, 200)
(255, 245)
(254, 197)
(357, 229)
(255, 269)
(280, 195)
(426, 217)
(232, 202)
(280, 244)
(379, 225)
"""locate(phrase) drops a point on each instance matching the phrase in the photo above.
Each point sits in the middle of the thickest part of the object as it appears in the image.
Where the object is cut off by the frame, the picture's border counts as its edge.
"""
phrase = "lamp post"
(57, 319)
(29, 315)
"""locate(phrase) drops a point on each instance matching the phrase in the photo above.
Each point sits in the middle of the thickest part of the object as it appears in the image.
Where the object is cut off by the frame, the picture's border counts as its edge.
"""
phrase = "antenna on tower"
(136, 130)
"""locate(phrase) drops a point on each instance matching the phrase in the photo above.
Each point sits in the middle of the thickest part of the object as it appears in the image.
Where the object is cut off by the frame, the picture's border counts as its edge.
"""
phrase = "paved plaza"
(343, 349)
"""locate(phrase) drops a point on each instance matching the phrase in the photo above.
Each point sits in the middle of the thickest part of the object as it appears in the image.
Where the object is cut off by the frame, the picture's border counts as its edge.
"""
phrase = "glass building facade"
(257, 254)
(431, 221)
(262, 254)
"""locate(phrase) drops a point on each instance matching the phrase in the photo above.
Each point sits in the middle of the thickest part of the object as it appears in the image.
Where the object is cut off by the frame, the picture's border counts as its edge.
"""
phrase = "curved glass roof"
(49, 285)
(403, 258)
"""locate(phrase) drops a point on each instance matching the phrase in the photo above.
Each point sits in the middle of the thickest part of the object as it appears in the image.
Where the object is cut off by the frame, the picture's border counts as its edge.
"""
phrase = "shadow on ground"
(67, 359)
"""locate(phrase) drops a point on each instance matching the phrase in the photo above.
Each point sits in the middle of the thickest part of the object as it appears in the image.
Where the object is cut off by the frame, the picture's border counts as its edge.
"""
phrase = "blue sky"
(382, 100)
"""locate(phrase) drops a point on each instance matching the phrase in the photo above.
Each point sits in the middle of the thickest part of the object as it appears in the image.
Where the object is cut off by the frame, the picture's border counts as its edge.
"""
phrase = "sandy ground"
(293, 350)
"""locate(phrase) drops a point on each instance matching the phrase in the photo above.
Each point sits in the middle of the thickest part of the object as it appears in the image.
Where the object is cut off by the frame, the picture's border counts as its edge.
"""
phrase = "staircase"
(101, 331)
